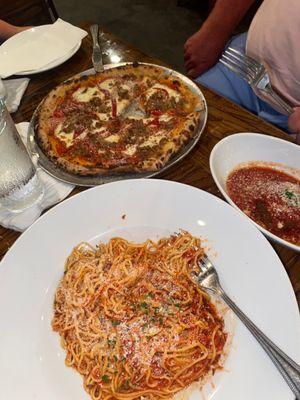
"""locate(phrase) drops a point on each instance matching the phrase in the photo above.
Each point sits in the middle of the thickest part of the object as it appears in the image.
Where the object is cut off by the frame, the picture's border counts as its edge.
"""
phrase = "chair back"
(28, 12)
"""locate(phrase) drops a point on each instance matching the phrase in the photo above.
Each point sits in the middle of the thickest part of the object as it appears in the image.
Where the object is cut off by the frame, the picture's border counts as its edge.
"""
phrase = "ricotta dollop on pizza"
(128, 118)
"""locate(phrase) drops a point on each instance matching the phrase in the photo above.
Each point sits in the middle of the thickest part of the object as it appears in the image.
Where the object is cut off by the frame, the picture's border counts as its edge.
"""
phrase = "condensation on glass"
(20, 186)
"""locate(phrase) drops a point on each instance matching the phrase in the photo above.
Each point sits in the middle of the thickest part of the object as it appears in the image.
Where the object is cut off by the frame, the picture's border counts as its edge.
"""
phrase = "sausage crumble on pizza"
(128, 118)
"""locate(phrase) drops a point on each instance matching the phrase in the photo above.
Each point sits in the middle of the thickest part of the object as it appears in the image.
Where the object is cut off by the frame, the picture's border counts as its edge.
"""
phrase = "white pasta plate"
(31, 358)
(247, 147)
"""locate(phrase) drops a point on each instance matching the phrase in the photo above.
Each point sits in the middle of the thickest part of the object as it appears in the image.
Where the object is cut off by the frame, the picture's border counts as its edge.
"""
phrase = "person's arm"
(294, 123)
(202, 50)
(7, 30)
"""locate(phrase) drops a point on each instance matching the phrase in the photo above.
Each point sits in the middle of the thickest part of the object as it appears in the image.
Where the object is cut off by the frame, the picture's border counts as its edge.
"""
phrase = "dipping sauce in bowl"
(269, 196)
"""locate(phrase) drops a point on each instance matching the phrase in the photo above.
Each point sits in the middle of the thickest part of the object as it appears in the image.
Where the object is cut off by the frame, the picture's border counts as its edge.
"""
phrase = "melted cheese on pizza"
(152, 140)
(103, 116)
(112, 138)
(165, 117)
(66, 137)
(157, 86)
(122, 104)
(108, 84)
(130, 150)
(84, 95)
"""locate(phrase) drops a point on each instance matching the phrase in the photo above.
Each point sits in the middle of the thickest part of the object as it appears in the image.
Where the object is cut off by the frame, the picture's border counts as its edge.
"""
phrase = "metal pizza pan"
(93, 180)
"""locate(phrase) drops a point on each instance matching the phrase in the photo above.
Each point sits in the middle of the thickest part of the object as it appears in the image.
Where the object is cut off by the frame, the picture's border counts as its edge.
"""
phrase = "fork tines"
(205, 262)
(243, 57)
(241, 64)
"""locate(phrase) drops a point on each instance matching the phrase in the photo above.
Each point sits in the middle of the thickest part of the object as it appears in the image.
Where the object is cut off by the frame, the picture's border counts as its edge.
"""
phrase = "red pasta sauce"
(268, 196)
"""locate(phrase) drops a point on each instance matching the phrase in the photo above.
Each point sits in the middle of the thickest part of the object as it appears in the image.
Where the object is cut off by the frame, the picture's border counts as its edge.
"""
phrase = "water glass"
(3, 93)
(20, 186)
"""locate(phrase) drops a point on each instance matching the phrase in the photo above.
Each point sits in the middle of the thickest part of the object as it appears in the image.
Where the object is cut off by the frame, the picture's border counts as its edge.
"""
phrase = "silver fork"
(208, 278)
(97, 52)
(254, 73)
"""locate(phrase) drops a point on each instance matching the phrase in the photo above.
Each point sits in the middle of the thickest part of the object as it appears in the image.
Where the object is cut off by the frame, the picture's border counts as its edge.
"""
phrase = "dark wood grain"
(224, 119)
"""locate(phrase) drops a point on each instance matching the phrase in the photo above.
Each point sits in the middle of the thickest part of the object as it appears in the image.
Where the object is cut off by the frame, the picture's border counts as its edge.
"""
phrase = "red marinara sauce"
(268, 196)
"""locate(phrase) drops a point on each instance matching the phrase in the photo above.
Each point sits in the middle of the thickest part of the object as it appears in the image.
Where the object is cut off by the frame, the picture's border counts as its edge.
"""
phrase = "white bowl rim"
(267, 233)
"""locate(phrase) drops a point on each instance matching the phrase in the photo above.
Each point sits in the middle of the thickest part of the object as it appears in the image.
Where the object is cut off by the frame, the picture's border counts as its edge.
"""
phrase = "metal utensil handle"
(286, 366)
(95, 32)
(279, 99)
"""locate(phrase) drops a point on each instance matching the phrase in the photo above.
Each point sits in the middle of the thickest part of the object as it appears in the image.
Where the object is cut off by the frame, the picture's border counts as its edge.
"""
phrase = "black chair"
(28, 12)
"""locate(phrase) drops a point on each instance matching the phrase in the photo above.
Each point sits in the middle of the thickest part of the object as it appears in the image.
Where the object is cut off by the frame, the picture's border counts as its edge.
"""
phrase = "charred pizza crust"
(144, 86)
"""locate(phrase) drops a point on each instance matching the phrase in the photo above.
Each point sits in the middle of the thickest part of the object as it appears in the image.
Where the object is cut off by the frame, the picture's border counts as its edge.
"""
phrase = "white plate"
(244, 147)
(31, 359)
(30, 35)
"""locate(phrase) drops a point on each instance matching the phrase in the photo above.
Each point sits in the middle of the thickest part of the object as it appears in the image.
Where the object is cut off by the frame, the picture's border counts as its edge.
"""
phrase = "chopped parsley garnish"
(111, 342)
(144, 326)
(292, 196)
(289, 194)
(115, 358)
(174, 302)
(115, 322)
(156, 310)
(105, 378)
(160, 321)
(144, 307)
(151, 295)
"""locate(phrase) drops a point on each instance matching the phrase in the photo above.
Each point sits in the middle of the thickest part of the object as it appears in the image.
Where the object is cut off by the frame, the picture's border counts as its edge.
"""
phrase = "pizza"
(130, 118)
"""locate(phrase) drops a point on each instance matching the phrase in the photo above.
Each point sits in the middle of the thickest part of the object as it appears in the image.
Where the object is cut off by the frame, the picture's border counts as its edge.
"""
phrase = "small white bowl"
(243, 147)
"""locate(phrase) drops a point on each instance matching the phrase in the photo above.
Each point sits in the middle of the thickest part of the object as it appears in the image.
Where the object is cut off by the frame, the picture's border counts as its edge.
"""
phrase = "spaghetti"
(132, 320)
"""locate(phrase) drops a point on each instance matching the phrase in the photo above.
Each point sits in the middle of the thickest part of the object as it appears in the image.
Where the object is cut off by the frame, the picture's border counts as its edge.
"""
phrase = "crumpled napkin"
(52, 43)
(14, 90)
(54, 192)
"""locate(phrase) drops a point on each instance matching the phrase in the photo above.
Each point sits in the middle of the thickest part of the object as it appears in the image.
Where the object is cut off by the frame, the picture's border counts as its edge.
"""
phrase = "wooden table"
(224, 118)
